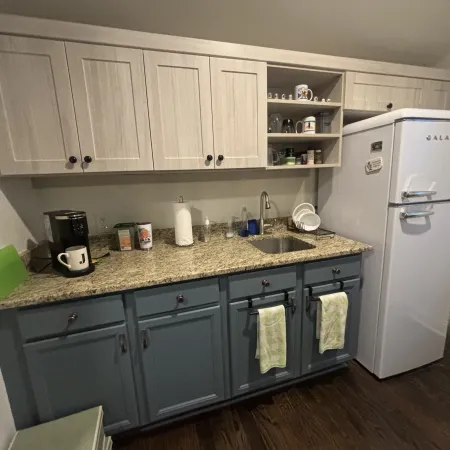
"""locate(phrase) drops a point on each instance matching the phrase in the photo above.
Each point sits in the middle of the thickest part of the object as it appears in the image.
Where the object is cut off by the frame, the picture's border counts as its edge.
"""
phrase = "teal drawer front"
(70, 317)
(262, 282)
(176, 297)
(332, 269)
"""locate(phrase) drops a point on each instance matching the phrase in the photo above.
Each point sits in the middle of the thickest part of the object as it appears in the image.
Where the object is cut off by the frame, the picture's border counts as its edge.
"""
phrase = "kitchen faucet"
(264, 203)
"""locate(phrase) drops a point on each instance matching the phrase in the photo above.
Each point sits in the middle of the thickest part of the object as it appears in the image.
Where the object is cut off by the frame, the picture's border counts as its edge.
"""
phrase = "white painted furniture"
(110, 99)
(239, 113)
(436, 94)
(380, 93)
(179, 104)
(38, 134)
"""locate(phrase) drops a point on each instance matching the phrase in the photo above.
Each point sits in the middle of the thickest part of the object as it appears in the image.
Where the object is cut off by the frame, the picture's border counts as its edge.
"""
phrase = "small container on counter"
(125, 236)
(145, 235)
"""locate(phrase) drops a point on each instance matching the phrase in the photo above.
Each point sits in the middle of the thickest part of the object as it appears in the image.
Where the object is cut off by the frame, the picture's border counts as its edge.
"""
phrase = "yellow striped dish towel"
(331, 319)
(271, 338)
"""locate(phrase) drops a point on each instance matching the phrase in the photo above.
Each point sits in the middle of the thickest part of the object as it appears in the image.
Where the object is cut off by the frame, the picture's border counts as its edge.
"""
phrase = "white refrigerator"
(393, 192)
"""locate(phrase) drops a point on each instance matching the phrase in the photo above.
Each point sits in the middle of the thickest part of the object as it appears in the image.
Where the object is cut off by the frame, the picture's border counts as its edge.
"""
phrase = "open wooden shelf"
(312, 166)
(302, 107)
(301, 137)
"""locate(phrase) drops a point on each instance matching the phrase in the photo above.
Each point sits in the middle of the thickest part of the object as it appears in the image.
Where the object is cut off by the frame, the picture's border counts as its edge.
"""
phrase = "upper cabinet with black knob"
(239, 106)
(38, 132)
(381, 93)
(110, 99)
(179, 103)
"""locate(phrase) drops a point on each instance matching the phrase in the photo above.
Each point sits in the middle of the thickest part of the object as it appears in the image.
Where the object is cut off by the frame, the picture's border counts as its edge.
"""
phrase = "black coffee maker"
(67, 228)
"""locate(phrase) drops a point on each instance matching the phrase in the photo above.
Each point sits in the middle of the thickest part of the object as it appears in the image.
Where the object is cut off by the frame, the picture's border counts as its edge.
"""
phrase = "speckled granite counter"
(166, 263)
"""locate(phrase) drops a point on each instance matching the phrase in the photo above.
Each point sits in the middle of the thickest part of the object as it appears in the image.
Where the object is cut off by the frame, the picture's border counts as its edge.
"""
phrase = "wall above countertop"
(142, 197)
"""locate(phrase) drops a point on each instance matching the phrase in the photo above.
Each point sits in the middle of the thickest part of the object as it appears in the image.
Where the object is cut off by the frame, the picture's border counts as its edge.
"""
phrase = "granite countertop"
(167, 263)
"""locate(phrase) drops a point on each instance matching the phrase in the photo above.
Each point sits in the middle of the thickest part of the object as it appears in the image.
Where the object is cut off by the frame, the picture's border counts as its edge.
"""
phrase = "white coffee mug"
(308, 125)
(77, 258)
(302, 91)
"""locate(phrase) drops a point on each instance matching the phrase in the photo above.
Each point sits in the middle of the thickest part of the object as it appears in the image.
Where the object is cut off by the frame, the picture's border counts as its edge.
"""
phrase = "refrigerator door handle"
(409, 194)
(411, 215)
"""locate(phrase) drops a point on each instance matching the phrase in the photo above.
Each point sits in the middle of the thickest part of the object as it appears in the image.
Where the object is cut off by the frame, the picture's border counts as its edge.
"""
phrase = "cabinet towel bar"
(288, 303)
(310, 298)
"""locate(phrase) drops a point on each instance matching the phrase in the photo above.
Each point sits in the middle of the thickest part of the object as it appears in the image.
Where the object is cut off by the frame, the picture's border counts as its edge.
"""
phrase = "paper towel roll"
(183, 224)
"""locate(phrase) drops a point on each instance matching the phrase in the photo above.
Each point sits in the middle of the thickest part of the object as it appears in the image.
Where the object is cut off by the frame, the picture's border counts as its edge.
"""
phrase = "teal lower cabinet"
(245, 374)
(312, 360)
(164, 352)
(182, 361)
(76, 372)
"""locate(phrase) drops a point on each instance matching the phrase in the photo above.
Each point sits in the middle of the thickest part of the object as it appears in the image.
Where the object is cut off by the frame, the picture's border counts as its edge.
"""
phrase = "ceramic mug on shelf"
(77, 258)
(308, 125)
(302, 91)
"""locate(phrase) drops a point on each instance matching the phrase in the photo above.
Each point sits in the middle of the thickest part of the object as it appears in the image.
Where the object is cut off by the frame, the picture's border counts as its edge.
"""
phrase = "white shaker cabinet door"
(373, 92)
(436, 95)
(111, 107)
(239, 91)
(38, 133)
(179, 103)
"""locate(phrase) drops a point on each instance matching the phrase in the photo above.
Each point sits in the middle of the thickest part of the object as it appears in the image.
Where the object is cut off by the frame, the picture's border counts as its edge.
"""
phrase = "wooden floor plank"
(348, 410)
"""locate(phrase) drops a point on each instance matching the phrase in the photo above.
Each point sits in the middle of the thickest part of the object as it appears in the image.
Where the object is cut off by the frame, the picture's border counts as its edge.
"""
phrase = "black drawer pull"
(336, 271)
(265, 283)
(180, 298)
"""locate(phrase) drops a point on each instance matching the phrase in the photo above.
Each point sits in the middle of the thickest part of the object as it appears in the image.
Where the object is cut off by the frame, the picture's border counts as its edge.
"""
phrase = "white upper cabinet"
(372, 92)
(110, 98)
(239, 105)
(436, 95)
(38, 134)
(179, 103)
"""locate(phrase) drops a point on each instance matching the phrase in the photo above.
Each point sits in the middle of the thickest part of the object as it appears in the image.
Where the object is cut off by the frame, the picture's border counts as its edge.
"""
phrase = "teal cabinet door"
(312, 360)
(245, 372)
(73, 373)
(182, 361)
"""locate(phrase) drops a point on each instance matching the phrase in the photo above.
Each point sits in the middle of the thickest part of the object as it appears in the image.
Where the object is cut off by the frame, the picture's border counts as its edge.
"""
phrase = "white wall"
(20, 221)
(403, 31)
(137, 197)
(7, 428)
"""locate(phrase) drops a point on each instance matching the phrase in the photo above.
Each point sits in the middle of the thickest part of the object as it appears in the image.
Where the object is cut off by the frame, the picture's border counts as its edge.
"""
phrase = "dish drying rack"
(319, 233)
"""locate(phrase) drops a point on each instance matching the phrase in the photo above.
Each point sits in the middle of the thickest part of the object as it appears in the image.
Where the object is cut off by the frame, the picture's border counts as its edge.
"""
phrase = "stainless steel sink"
(281, 245)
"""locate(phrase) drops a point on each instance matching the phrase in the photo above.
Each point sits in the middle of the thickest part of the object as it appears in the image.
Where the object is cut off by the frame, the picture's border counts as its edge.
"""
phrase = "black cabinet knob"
(72, 317)
(265, 283)
(336, 271)
(180, 298)
(87, 159)
(389, 106)
(220, 157)
(73, 159)
(209, 158)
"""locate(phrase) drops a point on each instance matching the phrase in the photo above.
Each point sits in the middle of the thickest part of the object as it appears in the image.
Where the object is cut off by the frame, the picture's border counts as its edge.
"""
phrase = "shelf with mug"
(301, 137)
(307, 108)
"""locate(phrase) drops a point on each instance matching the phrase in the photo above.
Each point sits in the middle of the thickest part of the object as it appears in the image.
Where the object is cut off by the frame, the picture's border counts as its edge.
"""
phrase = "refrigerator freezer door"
(421, 160)
(415, 295)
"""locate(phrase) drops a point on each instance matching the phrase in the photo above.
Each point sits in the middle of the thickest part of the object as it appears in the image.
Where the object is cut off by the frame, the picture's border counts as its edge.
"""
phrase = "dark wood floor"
(347, 410)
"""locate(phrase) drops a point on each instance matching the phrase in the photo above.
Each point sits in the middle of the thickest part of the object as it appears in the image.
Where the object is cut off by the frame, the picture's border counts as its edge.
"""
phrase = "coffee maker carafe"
(66, 229)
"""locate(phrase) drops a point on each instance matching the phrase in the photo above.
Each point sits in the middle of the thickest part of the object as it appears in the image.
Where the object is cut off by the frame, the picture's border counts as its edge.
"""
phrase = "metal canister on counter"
(145, 235)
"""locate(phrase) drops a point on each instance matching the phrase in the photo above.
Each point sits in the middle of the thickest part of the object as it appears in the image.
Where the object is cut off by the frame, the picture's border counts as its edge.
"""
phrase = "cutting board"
(12, 270)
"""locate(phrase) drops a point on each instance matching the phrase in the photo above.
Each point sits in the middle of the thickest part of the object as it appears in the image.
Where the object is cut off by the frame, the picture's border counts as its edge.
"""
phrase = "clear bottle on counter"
(230, 232)
(206, 231)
